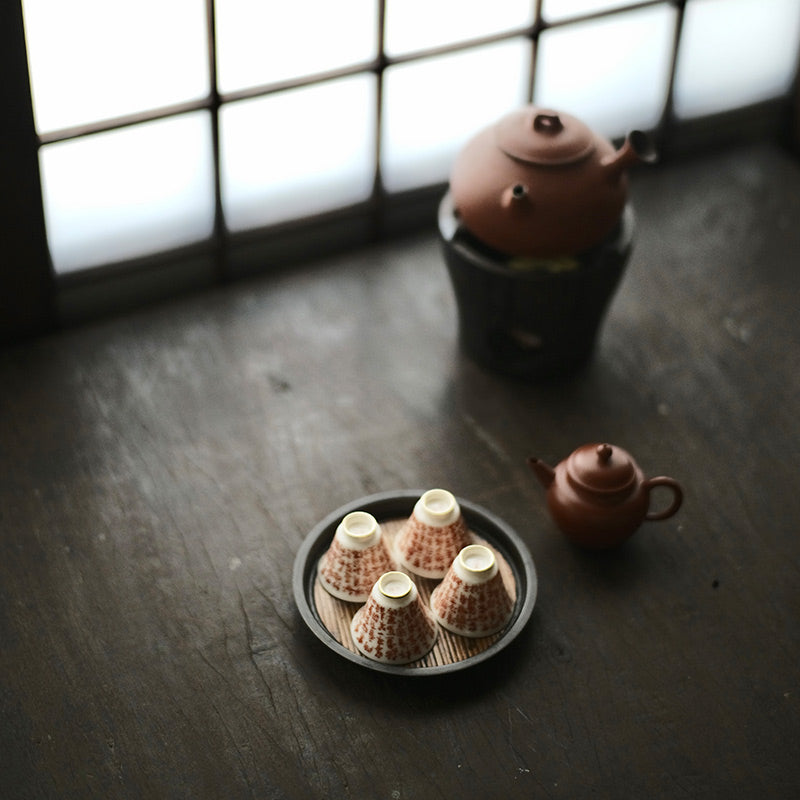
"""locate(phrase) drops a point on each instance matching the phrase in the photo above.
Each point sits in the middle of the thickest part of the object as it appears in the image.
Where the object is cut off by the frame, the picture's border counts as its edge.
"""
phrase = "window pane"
(128, 192)
(297, 153)
(260, 43)
(556, 10)
(94, 59)
(431, 107)
(619, 81)
(735, 52)
(418, 24)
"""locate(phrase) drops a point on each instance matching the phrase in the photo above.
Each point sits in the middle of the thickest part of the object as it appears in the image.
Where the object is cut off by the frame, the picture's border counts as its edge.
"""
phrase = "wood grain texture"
(159, 471)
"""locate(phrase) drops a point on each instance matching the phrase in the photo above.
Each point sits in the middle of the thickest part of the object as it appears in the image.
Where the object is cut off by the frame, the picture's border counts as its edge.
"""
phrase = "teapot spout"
(545, 473)
(638, 148)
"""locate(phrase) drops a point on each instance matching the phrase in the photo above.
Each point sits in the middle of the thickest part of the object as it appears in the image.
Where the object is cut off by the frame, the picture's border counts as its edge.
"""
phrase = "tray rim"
(385, 505)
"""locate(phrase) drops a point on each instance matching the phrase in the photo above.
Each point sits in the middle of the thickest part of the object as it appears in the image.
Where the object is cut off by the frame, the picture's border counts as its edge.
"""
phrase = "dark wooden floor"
(159, 472)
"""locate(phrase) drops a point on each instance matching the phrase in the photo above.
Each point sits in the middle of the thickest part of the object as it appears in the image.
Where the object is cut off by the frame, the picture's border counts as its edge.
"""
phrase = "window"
(167, 145)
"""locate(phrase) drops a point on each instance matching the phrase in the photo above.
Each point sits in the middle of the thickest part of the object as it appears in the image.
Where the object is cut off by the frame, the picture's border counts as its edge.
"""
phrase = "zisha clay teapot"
(598, 496)
(540, 183)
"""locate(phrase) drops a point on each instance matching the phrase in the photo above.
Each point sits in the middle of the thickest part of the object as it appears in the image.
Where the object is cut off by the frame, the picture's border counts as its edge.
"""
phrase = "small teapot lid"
(548, 138)
(601, 469)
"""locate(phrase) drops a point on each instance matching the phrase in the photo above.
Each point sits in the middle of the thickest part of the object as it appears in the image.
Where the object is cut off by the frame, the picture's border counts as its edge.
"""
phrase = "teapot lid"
(544, 137)
(601, 468)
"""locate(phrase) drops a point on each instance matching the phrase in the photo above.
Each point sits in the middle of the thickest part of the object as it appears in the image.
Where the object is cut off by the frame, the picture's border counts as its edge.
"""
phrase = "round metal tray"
(392, 506)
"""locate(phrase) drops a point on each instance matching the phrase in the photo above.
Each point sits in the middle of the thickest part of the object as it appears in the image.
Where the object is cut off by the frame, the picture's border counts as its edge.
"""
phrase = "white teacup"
(394, 627)
(472, 599)
(356, 558)
(433, 535)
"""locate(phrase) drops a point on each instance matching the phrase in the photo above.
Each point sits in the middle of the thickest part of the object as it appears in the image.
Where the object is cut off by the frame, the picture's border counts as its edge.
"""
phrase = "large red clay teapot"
(598, 496)
(541, 183)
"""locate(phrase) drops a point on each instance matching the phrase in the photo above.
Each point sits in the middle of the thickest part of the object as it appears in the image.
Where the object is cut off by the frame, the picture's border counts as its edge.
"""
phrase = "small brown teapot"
(598, 496)
(541, 183)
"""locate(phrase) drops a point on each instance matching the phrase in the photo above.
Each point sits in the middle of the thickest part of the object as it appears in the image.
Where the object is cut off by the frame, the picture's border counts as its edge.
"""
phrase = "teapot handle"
(677, 498)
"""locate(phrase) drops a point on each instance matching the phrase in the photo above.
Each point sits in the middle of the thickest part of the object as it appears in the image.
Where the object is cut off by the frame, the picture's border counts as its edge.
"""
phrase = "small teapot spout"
(637, 148)
(545, 473)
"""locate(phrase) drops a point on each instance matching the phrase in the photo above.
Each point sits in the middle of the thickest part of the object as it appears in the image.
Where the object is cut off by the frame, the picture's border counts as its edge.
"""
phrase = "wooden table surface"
(160, 471)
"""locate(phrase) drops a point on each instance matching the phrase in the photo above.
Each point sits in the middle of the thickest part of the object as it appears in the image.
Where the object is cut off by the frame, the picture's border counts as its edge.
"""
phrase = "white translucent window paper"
(267, 42)
(419, 24)
(735, 52)
(612, 73)
(557, 10)
(95, 59)
(297, 153)
(130, 192)
(431, 107)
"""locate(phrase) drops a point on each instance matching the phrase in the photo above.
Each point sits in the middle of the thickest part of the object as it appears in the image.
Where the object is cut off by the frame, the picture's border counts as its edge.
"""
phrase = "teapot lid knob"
(548, 123)
(604, 453)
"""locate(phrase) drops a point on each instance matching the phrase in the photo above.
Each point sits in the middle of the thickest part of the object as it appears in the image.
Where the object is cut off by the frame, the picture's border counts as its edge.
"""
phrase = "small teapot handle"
(677, 498)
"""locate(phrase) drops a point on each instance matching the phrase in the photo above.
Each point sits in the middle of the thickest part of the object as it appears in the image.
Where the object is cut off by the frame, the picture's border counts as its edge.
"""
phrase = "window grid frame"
(382, 214)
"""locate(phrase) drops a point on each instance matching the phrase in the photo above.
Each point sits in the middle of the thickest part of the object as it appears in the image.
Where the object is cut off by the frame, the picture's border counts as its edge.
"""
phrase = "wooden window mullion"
(26, 275)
